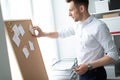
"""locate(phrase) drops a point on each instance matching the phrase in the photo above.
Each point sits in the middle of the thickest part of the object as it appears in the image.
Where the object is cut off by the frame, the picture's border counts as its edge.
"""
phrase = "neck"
(85, 16)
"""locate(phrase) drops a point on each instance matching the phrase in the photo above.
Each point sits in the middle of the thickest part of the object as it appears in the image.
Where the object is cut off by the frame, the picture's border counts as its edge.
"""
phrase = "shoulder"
(99, 24)
(96, 26)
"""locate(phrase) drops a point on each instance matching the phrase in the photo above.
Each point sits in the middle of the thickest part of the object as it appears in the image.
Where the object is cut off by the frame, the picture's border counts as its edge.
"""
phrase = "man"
(94, 47)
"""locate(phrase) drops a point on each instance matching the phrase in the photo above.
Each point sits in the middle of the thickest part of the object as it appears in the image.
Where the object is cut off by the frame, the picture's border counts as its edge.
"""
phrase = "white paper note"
(31, 29)
(21, 30)
(16, 40)
(31, 45)
(16, 30)
(26, 52)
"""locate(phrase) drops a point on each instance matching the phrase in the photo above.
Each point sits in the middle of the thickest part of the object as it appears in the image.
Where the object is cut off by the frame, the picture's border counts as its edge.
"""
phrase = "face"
(75, 12)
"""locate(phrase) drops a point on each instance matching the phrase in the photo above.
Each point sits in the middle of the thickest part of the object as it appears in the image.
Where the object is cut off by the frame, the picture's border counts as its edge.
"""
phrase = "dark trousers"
(95, 74)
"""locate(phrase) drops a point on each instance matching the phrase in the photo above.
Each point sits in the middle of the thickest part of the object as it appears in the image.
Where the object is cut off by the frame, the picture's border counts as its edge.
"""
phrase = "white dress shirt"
(93, 40)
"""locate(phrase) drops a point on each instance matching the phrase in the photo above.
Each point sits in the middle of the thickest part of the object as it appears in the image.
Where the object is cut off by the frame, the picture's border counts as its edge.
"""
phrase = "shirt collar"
(88, 20)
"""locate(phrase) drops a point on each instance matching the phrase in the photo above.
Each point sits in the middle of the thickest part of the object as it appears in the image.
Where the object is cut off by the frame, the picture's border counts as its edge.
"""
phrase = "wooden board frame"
(32, 68)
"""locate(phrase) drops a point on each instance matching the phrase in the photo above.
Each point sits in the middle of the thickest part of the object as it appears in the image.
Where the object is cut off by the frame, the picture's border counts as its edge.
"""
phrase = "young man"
(94, 47)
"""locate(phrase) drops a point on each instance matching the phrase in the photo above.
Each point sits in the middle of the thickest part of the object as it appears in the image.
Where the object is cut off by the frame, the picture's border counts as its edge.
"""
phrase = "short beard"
(80, 15)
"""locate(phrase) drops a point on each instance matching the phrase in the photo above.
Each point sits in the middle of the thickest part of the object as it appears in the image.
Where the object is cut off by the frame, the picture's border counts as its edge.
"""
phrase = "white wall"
(66, 46)
(61, 16)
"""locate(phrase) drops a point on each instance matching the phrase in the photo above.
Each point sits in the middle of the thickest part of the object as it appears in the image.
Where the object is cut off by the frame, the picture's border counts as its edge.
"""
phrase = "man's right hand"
(39, 32)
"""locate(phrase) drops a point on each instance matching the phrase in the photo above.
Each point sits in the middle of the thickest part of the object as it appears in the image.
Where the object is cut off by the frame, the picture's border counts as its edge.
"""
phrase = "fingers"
(77, 68)
(81, 69)
(36, 31)
(35, 27)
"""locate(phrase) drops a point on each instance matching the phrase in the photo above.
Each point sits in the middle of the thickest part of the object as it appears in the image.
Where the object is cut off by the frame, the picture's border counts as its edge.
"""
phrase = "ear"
(82, 8)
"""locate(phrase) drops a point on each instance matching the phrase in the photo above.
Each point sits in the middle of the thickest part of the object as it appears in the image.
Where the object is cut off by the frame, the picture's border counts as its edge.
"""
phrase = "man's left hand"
(81, 69)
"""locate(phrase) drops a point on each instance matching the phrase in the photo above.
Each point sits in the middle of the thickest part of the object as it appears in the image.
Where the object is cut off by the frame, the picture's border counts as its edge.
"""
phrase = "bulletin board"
(26, 49)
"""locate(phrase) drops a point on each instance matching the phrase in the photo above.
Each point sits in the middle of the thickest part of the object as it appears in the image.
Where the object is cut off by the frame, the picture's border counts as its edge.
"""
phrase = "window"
(41, 14)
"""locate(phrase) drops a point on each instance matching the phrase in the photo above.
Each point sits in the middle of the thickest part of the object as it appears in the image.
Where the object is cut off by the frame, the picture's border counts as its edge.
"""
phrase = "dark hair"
(79, 2)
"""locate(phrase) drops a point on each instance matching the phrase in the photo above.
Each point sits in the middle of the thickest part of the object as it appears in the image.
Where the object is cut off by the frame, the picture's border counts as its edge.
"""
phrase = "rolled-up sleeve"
(107, 42)
(66, 32)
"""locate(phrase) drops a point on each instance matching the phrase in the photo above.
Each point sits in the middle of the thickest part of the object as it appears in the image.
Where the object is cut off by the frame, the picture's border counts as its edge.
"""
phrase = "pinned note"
(21, 30)
(31, 45)
(26, 52)
(16, 40)
(16, 30)
(31, 29)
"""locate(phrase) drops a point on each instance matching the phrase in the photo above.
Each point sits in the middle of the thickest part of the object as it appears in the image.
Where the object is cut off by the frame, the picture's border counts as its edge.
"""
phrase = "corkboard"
(32, 67)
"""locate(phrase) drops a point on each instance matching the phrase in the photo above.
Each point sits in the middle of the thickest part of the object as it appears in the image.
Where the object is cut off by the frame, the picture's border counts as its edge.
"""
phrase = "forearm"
(102, 61)
(51, 34)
